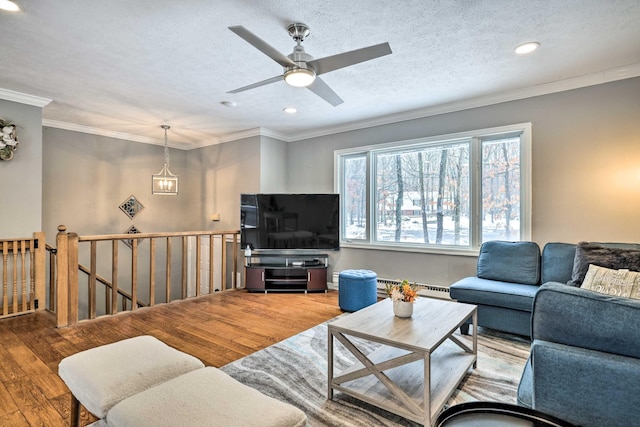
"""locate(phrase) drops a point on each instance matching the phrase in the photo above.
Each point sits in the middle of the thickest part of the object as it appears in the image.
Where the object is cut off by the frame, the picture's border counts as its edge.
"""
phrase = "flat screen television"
(283, 222)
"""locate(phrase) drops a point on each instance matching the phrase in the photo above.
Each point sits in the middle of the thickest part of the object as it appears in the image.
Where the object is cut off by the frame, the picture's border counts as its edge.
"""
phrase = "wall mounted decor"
(131, 230)
(131, 206)
(8, 139)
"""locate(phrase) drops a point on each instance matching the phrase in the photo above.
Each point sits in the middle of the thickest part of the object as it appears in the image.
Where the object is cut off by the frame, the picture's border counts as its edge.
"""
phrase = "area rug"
(295, 371)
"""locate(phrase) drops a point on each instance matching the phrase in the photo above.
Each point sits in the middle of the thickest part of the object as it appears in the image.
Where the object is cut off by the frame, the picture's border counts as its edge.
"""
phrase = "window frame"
(476, 137)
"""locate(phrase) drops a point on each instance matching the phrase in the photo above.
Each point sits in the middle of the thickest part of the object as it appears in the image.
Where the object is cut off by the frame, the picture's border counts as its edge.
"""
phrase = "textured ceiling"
(129, 66)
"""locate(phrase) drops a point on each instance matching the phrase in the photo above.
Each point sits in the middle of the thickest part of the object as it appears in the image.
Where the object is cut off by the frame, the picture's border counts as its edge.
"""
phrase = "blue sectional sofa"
(508, 276)
(584, 365)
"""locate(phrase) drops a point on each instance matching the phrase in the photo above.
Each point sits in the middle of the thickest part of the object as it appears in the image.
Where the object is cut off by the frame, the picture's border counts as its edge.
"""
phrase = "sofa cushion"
(584, 387)
(557, 262)
(621, 283)
(582, 318)
(202, 398)
(103, 376)
(604, 256)
(524, 396)
(493, 292)
(515, 262)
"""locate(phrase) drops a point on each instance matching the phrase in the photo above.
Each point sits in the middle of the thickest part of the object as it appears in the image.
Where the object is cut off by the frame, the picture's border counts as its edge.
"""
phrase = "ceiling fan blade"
(262, 83)
(341, 60)
(262, 46)
(320, 88)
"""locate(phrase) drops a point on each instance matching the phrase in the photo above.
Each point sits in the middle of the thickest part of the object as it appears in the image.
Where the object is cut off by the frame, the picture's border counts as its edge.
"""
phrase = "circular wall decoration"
(8, 139)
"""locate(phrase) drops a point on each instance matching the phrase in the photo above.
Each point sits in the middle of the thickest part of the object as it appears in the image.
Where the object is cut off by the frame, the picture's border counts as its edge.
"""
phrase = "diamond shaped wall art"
(131, 206)
(131, 230)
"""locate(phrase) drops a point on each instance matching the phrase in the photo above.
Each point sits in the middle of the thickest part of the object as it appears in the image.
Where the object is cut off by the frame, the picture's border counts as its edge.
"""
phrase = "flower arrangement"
(404, 292)
(8, 139)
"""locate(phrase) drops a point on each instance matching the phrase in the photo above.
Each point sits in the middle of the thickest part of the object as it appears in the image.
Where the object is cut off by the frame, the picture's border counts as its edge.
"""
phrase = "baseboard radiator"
(425, 290)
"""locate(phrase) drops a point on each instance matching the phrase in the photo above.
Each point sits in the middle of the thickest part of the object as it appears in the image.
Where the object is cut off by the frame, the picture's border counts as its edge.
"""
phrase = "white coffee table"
(420, 363)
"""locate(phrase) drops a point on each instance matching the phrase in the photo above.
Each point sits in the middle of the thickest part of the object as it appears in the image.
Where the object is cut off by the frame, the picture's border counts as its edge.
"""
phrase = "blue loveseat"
(508, 276)
(584, 365)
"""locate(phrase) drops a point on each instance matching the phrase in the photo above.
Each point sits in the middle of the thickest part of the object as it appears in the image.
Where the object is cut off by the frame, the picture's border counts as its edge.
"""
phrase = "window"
(427, 193)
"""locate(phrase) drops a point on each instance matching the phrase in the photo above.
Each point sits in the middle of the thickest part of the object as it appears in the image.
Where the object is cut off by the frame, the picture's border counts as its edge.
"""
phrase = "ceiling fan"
(300, 69)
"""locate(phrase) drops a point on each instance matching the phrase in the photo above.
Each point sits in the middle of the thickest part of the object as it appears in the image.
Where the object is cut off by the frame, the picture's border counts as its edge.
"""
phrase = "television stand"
(286, 273)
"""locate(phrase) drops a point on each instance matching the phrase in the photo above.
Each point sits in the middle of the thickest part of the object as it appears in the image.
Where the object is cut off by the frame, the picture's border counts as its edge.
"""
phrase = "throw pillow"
(620, 283)
(593, 253)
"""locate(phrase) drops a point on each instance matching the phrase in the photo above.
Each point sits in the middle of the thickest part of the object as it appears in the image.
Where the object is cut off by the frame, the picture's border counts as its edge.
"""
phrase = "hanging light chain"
(166, 145)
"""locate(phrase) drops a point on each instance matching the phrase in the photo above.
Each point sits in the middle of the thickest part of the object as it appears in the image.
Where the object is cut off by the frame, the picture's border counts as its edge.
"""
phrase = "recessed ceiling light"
(9, 6)
(290, 110)
(228, 104)
(525, 48)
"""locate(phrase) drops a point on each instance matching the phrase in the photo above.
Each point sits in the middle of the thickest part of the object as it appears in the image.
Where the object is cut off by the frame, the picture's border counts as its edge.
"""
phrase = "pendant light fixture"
(164, 182)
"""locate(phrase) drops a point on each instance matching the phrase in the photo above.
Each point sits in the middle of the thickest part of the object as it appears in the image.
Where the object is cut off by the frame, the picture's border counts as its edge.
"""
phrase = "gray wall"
(219, 174)
(586, 176)
(273, 166)
(87, 177)
(21, 177)
(586, 171)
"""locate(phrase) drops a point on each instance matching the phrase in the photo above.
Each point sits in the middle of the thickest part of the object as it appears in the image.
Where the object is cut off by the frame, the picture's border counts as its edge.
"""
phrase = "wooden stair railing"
(23, 270)
(125, 295)
(68, 268)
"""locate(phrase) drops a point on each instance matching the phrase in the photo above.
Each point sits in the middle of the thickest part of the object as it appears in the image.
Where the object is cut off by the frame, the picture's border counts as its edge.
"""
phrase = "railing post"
(62, 279)
(234, 279)
(212, 288)
(114, 277)
(198, 255)
(184, 266)
(39, 268)
(134, 274)
(92, 294)
(168, 271)
(73, 277)
(223, 262)
(52, 282)
(152, 271)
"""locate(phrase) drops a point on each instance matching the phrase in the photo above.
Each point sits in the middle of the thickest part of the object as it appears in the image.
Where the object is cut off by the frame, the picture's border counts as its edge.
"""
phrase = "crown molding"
(236, 136)
(24, 98)
(611, 75)
(102, 132)
(146, 140)
(614, 74)
(253, 132)
(269, 133)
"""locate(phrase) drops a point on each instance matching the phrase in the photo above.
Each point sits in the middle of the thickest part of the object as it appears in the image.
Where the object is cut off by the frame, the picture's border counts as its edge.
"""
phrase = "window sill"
(445, 250)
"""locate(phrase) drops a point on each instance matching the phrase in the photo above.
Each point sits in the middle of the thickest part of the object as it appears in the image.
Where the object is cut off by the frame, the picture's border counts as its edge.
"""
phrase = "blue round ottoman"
(357, 289)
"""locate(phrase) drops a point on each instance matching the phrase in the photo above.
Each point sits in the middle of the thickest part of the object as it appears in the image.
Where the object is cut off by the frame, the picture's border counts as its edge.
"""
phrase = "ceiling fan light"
(299, 77)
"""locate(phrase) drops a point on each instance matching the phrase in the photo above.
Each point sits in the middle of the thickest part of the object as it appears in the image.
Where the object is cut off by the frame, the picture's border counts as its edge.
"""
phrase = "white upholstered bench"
(143, 382)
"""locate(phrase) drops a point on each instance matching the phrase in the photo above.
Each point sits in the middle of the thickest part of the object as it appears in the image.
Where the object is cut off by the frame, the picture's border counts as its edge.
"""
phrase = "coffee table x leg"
(386, 358)
(377, 370)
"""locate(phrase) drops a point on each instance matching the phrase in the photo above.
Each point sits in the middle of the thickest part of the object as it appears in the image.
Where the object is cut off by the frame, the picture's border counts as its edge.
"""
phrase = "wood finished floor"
(217, 329)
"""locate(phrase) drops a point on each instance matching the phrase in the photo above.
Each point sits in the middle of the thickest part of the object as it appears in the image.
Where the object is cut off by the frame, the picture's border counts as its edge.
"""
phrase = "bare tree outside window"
(425, 193)
(421, 193)
(354, 197)
(501, 189)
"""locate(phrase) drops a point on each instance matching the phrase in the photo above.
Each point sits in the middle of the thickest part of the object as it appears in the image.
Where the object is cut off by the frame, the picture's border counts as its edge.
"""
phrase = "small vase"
(402, 308)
